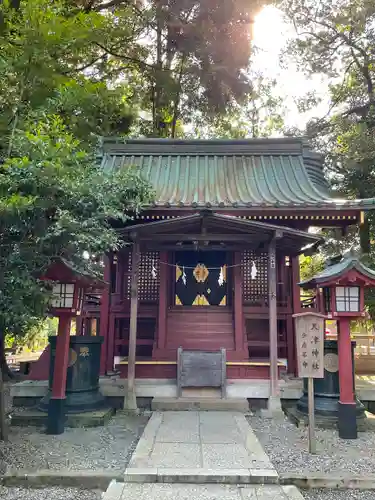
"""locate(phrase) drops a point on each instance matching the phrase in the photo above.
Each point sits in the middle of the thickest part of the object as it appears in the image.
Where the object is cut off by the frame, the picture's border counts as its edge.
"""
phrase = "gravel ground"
(286, 445)
(108, 447)
(338, 495)
(48, 493)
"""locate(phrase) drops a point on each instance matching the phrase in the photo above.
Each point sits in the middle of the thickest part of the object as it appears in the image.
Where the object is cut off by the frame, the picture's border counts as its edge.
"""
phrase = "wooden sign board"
(201, 369)
(309, 328)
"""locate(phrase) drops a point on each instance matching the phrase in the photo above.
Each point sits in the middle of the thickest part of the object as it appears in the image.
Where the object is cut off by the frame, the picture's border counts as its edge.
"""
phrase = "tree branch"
(108, 5)
(134, 60)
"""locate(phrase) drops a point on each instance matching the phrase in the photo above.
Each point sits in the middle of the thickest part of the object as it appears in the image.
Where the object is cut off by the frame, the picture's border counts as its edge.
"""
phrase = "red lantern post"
(341, 288)
(70, 286)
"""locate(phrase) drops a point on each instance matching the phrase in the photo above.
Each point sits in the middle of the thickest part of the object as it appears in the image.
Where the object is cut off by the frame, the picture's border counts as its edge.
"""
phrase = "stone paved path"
(121, 491)
(200, 447)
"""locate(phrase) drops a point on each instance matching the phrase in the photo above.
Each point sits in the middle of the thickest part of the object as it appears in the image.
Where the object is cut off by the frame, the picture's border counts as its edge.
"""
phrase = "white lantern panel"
(63, 296)
(347, 298)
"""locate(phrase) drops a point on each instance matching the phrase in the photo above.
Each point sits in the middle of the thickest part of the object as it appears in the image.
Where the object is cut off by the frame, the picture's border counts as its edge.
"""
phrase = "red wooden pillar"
(347, 421)
(110, 343)
(296, 291)
(345, 362)
(163, 300)
(239, 330)
(79, 325)
(104, 316)
(56, 407)
(296, 308)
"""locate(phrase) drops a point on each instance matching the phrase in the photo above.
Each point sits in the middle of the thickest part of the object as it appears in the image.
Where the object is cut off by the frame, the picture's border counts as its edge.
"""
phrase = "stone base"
(366, 423)
(37, 418)
(274, 409)
(205, 404)
(347, 421)
(201, 476)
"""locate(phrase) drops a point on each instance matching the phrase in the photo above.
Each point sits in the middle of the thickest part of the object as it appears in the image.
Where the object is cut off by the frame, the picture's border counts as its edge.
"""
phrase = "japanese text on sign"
(310, 344)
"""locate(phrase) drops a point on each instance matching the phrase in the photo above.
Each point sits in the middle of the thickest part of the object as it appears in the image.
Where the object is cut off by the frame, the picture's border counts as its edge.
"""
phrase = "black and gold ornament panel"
(201, 279)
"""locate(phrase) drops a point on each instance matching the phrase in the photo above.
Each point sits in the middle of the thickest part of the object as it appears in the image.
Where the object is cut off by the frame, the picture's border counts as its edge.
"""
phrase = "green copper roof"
(227, 173)
(336, 271)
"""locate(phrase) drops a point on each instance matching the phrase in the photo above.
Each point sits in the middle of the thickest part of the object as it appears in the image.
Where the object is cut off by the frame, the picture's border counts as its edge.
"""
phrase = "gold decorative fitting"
(200, 273)
(84, 352)
(178, 273)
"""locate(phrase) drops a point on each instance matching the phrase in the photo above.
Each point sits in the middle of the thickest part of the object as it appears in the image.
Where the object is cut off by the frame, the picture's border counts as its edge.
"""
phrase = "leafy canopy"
(55, 202)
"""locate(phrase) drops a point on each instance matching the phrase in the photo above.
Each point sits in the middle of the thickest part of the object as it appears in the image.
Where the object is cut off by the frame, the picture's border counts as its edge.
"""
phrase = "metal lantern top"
(340, 287)
(70, 286)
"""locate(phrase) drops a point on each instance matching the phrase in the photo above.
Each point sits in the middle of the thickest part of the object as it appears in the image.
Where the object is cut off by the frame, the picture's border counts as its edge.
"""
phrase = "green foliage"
(261, 114)
(54, 105)
(34, 339)
(55, 202)
(310, 266)
(186, 57)
(43, 49)
(337, 40)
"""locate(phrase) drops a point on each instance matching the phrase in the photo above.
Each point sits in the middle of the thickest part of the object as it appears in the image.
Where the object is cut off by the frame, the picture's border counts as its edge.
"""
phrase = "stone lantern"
(340, 296)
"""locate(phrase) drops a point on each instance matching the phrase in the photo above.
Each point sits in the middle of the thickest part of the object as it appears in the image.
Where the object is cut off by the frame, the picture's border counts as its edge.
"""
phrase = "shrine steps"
(206, 329)
(200, 403)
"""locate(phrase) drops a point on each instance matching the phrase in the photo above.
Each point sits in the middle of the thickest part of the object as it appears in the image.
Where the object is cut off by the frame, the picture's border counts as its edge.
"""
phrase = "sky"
(271, 33)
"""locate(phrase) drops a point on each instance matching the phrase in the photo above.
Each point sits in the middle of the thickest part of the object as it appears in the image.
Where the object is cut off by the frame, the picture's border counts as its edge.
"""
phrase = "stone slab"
(200, 447)
(167, 388)
(200, 476)
(114, 491)
(39, 419)
(94, 479)
(176, 455)
(203, 404)
(345, 481)
(203, 492)
(218, 456)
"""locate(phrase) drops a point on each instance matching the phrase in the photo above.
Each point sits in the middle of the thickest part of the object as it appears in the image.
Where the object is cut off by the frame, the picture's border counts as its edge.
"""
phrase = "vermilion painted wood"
(238, 304)
(170, 372)
(296, 307)
(104, 316)
(163, 302)
(290, 216)
(61, 357)
(291, 346)
(203, 328)
(110, 343)
(345, 362)
(39, 369)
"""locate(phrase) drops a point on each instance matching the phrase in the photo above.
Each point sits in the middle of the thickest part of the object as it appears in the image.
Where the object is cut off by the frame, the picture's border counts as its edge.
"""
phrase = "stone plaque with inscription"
(201, 369)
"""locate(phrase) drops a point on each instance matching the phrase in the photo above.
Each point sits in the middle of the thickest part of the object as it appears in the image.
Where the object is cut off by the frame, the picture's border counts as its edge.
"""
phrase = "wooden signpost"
(309, 328)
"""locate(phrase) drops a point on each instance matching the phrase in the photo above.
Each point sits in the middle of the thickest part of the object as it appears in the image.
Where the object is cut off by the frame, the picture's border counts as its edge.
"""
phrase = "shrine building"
(216, 255)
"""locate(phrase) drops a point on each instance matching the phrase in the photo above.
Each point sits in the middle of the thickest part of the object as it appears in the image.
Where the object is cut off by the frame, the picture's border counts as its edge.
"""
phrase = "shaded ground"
(286, 446)
(48, 493)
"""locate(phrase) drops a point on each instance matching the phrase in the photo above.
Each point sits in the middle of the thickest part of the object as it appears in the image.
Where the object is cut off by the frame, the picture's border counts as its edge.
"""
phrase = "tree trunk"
(158, 74)
(364, 236)
(3, 422)
(7, 373)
